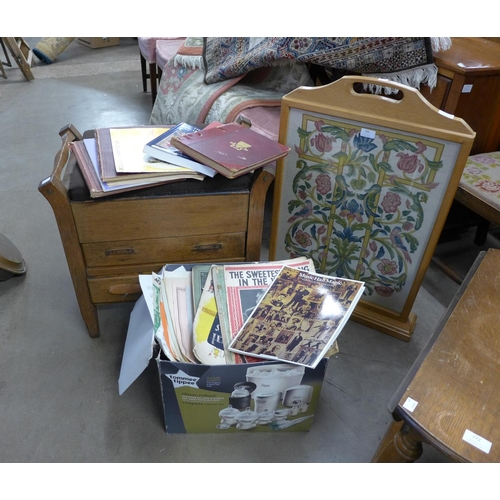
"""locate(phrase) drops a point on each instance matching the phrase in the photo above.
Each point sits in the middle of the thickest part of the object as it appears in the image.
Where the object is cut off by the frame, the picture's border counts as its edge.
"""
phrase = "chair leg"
(144, 74)
(153, 80)
(481, 232)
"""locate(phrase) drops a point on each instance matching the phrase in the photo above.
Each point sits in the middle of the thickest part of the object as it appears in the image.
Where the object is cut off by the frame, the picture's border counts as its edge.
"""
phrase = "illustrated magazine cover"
(298, 318)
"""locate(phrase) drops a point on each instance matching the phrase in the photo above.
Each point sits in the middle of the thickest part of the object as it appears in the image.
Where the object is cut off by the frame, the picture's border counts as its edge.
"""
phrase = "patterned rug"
(228, 57)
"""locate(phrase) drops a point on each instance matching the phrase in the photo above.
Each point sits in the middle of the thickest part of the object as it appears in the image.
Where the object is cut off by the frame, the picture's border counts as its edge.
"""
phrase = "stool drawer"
(202, 248)
(114, 289)
(156, 218)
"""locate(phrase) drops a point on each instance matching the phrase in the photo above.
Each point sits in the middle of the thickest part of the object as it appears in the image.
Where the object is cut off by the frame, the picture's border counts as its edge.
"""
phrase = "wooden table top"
(470, 56)
(455, 384)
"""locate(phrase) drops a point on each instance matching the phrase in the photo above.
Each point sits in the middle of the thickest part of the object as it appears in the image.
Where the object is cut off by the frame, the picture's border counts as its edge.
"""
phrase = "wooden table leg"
(400, 444)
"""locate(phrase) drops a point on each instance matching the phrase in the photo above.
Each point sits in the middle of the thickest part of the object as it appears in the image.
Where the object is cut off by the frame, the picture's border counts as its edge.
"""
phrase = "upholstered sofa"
(256, 73)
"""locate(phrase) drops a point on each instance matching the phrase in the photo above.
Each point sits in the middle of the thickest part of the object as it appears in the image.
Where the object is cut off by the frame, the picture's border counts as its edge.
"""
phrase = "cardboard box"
(258, 397)
(98, 43)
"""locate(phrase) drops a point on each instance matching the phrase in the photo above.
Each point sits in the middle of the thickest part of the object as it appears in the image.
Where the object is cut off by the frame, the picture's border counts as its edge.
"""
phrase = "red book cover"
(231, 149)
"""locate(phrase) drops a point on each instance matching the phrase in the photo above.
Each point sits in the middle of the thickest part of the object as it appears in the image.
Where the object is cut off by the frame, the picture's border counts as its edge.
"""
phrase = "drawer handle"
(124, 289)
(119, 251)
(207, 248)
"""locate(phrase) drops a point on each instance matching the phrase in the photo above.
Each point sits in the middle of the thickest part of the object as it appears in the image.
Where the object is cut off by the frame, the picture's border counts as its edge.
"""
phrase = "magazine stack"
(241, 346)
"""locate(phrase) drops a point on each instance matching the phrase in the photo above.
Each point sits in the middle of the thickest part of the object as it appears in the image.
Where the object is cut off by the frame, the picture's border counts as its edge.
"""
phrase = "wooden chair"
(149, 67)
(109, 241)
(21, 53)
(147, 52)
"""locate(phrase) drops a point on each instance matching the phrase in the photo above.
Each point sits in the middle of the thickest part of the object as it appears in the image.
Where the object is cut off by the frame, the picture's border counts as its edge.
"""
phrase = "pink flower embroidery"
(322, 143)
(488, 186)
(408, 163)
(387, 267)
(383, 290)
(323, 184)
(485, 159)
(473, 170)
(391, 202)
(303, 239)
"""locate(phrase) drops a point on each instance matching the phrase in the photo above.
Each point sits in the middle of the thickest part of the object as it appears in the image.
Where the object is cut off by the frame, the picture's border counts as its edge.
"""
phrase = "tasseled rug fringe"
(193, 62)
(412, 78)
(440, 43)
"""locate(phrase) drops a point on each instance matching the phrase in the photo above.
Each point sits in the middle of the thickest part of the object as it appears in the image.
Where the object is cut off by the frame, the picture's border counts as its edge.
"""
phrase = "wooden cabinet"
(469, 88)
(108, 242)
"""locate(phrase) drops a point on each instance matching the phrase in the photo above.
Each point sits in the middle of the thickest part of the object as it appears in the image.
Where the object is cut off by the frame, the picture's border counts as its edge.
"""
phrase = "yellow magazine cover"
(207, 339)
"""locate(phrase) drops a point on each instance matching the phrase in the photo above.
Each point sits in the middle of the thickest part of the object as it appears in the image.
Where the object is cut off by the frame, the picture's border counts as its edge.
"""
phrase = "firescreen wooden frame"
(366, 188)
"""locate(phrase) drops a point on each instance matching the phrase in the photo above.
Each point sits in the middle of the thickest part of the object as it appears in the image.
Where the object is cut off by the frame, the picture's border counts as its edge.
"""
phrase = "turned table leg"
(401, 443)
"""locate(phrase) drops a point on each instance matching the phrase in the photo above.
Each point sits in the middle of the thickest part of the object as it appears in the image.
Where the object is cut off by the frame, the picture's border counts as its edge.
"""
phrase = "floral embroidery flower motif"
(391, 202)
(492, 187)
(352, 210)
(303, 239)
(323, 184)
(397, 241)
(305, 211)
(322, 143)
(408, 163)
(387, 267)
(473, 170)
(364, 144)
(485, 159)
(384, 291)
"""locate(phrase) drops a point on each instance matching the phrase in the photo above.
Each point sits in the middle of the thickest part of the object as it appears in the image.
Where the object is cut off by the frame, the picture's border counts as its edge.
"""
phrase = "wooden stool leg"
(260, 184)
(400, 444)
(56, 194)
(7, 61)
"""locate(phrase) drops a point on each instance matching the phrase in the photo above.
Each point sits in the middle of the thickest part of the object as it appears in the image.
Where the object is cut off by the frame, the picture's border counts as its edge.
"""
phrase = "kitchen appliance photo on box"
(255, 397)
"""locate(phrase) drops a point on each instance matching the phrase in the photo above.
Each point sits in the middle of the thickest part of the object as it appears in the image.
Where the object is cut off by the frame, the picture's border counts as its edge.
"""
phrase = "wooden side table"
(469, 87)
(451, 396)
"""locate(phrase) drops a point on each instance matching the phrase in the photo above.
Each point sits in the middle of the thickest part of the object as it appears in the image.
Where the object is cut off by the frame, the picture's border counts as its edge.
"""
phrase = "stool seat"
(479, 190)
(481, 179)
